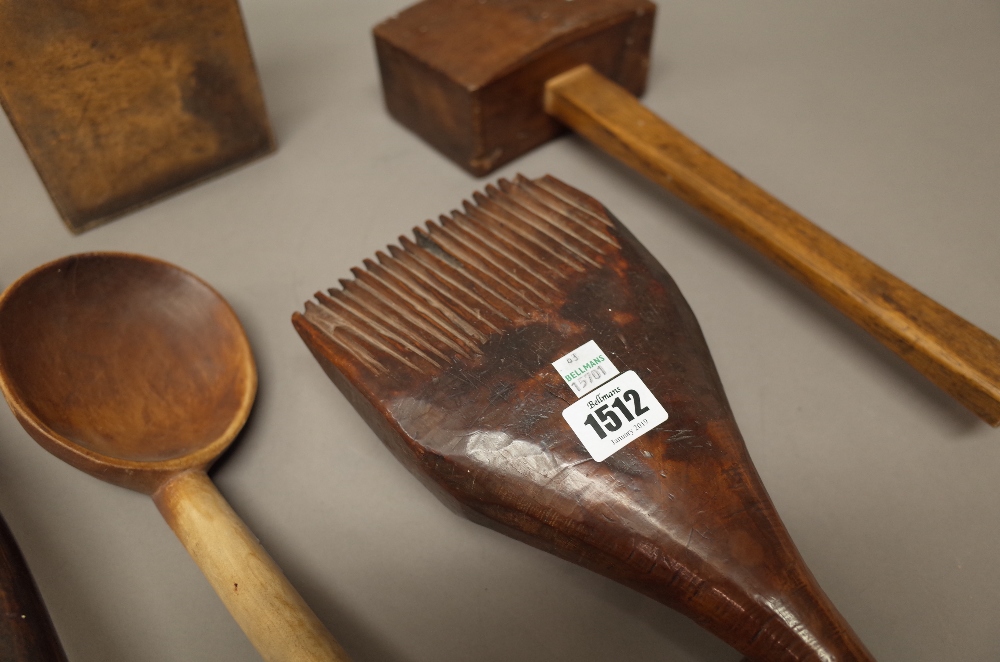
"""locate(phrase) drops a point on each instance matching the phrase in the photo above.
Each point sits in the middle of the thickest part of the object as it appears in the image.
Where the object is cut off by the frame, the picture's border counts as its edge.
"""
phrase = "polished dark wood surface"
(26, 631)
(140, 374)
(120, 103)
(444, 345)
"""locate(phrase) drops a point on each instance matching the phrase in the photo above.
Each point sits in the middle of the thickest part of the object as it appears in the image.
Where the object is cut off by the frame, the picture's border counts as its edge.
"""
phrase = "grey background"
(878, 120)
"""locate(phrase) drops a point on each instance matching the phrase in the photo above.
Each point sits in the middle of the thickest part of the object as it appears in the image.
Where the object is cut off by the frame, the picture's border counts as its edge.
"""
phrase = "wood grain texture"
(444, 345)
(26, 630)
(954, 354)
(120, 103)
(140, 374)
(468, 75)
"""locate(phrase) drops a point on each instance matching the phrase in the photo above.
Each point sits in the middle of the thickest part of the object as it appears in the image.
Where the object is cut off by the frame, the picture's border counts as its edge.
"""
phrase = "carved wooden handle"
(271, 612)
(954, 354)
(26, 632)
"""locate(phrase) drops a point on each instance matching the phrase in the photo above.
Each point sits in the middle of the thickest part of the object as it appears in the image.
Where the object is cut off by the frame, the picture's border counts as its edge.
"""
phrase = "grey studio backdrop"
(877, 120)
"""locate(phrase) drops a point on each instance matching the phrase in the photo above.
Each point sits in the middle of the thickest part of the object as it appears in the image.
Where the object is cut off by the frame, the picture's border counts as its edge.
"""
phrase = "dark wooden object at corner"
(120, 103)
(484, 81)
(26, 631)
(444, 345)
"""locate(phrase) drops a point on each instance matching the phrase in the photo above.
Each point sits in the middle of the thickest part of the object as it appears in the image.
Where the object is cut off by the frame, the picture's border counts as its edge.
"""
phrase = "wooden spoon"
(140, 374)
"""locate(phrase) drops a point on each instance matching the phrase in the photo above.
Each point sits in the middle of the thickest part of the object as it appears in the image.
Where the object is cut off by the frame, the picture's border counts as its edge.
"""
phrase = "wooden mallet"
(484, 81)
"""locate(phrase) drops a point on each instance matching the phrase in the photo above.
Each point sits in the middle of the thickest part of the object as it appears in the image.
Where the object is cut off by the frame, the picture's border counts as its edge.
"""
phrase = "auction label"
(614, 415)
(585, 368)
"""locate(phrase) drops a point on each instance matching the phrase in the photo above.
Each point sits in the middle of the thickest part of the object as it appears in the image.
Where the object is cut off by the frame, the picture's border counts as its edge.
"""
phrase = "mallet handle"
(954, 354)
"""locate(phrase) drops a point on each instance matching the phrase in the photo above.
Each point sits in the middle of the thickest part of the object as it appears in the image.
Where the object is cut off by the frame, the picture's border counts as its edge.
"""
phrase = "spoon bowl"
(140, 374)
(126, 367)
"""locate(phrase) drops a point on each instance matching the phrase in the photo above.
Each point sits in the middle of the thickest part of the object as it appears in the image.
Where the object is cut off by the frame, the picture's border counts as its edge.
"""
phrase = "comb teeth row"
(489, 267)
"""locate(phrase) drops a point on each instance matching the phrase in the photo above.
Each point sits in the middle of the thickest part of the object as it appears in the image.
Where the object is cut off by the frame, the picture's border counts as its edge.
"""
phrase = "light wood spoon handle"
(954, 354)
(273, 615)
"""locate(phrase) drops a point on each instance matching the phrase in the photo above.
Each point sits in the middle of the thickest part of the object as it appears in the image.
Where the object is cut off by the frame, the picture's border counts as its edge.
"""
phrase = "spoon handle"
(275, 618)
(26, 632)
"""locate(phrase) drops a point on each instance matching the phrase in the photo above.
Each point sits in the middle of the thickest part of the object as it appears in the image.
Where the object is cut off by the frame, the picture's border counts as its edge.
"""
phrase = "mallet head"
(468, 75)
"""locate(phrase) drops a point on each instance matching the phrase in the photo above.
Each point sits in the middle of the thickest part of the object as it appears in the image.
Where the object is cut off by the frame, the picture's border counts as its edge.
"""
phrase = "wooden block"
(121, 102)
(469, 75)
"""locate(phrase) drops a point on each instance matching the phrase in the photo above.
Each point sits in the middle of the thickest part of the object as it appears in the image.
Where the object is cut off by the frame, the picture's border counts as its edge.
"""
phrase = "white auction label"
(614, 415)
(585, 368)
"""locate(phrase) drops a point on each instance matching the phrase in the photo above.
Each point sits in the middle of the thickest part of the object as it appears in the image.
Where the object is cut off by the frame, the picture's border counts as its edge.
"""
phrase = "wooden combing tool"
(536, 367)
(484, 81)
